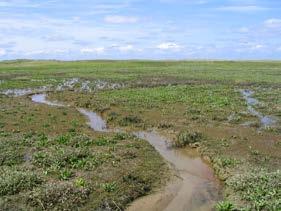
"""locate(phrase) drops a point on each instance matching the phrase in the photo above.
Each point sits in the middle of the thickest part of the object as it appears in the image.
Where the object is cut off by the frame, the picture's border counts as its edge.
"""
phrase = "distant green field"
(22, 71)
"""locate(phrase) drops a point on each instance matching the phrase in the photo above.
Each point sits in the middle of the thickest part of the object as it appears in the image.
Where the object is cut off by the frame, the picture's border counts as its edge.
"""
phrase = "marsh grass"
(71, 169)
(260, 188)
(178, 96)
(186, 138)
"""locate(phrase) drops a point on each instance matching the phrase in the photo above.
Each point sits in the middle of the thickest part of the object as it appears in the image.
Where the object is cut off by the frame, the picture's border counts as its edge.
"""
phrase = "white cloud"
(169, 46)
(2, 52)
(273, 23)
(118, 19)
(98, 50)
(125, 48)
(243, 30)
(242, 8)
(257, 47)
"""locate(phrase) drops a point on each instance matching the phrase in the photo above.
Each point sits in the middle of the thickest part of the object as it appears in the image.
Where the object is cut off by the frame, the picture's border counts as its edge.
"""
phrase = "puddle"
(22, 92)
(266, 121)
(41, 98)
(95, 121)
(195, 189)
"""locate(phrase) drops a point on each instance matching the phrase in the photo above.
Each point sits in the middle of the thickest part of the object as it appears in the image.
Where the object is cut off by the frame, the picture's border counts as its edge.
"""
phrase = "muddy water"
(194, 187)
(265, 121)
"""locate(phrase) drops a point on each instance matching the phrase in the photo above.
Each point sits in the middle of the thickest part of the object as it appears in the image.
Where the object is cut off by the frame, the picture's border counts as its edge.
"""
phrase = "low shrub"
(13, 181)
(126, 121)
(61, 196)
(185, 138)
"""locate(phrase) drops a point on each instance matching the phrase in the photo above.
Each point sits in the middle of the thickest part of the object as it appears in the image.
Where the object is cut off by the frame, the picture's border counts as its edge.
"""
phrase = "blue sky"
(140, 29)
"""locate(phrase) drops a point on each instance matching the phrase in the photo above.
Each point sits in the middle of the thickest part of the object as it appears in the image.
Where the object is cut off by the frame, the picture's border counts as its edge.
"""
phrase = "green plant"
(261, 189)
(80, 182)
(109, 187)
(42, 140)
(103, 141)
(130, 120)
(63, 139)
(186, 138)
(224, 206)
(65, 174)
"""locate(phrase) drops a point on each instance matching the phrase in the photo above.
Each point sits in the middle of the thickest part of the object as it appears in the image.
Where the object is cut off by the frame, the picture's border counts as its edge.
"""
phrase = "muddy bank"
(194, 186)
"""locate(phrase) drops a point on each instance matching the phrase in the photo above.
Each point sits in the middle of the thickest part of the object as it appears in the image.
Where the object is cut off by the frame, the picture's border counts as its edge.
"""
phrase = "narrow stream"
(195, 189)
(265, 121)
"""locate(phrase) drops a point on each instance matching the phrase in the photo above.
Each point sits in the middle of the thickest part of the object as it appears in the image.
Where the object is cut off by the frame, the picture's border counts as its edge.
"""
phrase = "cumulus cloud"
(169, 46)
(125, 48)
(118, 19)
(98, 50)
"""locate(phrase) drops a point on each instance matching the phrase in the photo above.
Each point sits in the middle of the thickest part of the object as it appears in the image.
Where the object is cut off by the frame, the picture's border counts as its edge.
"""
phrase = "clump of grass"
(62, 196)
(103, 141)
(62, 158)
(226, 162)
(128, 120)
(65, 174)
(63, 139)
(224, 206)
(186, 138)
(80, 182)
(42, 140)
(164, 125)
(11, 157)
(121, 136)
(13, 181)
(112, 116)
(259, 188)
(109, 187)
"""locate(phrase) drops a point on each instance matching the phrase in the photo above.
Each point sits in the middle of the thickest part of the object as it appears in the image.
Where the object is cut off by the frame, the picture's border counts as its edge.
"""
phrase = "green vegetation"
(259, 187)
(52, 160)
(224, 206)
(19, 73)
(187, 138)
(67, 165)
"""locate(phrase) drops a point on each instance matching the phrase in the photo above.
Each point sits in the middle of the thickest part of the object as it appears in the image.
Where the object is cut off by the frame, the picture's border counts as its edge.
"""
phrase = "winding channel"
(194, 187)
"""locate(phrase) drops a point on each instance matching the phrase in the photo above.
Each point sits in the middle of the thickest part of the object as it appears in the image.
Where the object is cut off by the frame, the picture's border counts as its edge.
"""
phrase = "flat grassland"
(50, 159)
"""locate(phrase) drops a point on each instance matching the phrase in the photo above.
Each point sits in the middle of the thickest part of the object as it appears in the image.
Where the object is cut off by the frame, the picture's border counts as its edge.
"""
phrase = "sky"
(140, 29)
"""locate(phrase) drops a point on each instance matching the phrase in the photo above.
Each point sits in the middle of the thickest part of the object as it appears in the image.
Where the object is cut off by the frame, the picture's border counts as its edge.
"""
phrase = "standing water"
(266, 121)
(195, 188)
(41, 98)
